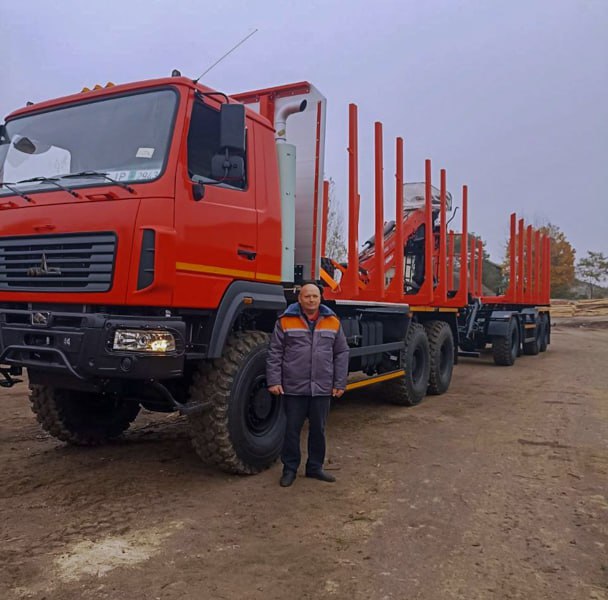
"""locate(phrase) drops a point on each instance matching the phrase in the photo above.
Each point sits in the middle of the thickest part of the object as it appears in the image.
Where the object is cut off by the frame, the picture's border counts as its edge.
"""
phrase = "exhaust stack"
(286, 155)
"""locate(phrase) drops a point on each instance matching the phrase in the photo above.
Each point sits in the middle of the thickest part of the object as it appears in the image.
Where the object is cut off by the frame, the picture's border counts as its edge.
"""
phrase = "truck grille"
(58, 263)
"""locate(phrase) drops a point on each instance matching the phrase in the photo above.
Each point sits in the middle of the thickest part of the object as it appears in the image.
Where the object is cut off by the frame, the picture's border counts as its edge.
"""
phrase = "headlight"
(144, 340)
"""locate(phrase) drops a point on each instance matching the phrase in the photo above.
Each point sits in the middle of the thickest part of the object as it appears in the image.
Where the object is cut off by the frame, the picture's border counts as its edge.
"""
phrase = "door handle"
(248, 254)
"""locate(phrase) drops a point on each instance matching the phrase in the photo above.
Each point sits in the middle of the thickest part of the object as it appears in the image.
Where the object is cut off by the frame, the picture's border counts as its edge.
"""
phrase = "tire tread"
(52, 412)
(501, 348)
(401, 391)
(212, 382)
(434, 332)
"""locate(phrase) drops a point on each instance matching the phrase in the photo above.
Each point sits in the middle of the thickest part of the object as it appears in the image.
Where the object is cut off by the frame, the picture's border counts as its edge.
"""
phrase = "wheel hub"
(261, 404)
(261, 409)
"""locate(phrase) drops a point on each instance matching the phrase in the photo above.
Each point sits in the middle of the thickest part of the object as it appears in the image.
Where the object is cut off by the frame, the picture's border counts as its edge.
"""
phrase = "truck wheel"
(242, 431)
(441, 348)
(81, 418)
(533, 348)
(544, 338)
(410, 389)
(506, 347)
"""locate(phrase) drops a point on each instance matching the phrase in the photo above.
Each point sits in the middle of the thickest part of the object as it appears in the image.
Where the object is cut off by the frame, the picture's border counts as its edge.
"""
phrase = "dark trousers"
(297, 410)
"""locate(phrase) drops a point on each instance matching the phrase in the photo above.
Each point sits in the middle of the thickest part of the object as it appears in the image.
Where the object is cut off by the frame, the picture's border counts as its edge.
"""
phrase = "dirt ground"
(498, 489)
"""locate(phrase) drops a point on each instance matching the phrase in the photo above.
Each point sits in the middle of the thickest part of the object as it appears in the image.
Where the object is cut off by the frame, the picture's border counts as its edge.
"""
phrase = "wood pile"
(592, 308)
(580, 308)
(562, 308)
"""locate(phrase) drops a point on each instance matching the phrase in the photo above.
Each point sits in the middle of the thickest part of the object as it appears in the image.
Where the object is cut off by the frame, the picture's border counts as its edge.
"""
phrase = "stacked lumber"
(592, 308)
(580, 308)
(562, 308)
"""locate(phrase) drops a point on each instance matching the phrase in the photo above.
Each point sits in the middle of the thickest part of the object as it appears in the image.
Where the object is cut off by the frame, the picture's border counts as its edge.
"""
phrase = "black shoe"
(287, 478)
(322, 476)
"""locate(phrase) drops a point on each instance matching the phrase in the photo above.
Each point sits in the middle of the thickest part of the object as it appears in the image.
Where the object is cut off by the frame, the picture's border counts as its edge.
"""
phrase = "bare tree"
(592, 269)
(336, 246)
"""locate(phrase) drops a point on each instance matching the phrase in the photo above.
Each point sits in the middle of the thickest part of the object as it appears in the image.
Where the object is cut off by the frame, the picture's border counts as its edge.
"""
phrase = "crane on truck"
(152, 231)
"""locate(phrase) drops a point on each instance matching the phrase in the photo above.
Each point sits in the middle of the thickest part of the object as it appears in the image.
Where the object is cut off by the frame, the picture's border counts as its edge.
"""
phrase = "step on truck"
(153, 231)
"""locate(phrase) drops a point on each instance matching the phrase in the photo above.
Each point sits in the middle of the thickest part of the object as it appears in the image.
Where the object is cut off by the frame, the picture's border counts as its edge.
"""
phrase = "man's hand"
(336, 393)
(276, 390)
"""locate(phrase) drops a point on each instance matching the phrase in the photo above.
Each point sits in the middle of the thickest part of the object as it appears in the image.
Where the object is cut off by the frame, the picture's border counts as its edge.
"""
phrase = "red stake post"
(324, 217)
(520, 262)
(442, 289)
(425, 295)
(351, 277)
(537, 259)
(451, 260)
(547, 287)
(379, 284)
(511, 293)
(479, 267)
(398, 278)
(461, 297)
(529, 276)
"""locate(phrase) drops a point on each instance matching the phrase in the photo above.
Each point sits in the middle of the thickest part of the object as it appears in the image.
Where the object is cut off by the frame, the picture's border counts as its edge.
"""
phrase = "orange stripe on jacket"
(292, 323)
(329, 323)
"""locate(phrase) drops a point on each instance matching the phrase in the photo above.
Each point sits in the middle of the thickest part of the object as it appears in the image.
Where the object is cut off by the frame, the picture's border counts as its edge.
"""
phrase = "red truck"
(151, 232)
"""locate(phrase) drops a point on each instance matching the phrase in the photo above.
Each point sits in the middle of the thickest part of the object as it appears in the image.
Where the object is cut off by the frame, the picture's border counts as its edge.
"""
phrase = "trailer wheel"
(506, 347)
(81, 418)
(544, 338)
(533, 348)
(410, 389)
(242, 431)
(441, 349)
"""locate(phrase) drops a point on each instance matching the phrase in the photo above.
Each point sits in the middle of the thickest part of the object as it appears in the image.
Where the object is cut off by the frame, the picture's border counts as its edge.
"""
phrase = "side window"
(204, 143)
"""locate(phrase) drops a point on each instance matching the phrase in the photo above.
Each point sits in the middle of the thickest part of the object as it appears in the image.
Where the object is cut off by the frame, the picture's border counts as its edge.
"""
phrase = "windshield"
(125, 138)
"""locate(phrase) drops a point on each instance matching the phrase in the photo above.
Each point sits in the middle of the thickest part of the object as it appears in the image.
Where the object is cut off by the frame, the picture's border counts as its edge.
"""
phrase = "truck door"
(217, 234)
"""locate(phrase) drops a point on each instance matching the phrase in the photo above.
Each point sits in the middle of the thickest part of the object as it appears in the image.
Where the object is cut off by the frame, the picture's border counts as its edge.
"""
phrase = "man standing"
(307, 363)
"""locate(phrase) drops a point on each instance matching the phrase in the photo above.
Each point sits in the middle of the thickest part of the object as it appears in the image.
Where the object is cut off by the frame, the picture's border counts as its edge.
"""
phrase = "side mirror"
(230, 169)
(25, 145)
(28, 146)
(232, 128)
(229, 165)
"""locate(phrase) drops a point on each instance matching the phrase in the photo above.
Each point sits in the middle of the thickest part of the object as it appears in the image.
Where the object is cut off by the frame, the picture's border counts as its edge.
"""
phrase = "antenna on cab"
(225, 55)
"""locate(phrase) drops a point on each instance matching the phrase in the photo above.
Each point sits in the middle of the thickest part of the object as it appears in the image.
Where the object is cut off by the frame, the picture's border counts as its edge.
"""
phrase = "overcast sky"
(510, 97)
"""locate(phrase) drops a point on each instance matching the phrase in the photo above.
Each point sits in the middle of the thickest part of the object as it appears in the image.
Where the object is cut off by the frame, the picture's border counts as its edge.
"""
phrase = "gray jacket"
(305, 362)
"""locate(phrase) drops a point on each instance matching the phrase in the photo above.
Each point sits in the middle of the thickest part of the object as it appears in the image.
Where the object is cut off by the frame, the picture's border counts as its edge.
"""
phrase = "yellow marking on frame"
(377, 379)
(211, 270)
(432, 309)
(268, 277)
(180, 266)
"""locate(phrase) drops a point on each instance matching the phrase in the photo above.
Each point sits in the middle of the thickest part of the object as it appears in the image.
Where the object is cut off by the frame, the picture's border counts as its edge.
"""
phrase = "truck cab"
(113, 216)
(131, 254)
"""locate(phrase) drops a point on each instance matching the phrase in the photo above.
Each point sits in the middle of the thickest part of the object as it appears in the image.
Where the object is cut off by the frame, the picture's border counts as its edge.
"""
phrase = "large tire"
(242, 431)
(505, 348)
(81, 418)
(544, 337)
(533, 348)
(410, 389)
(441, 348)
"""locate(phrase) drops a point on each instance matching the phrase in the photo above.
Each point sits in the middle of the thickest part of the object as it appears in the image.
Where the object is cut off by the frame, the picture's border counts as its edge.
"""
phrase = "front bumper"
(79, 345)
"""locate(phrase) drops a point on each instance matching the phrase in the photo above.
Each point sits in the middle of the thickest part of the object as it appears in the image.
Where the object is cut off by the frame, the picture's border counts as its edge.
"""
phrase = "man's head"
(310, 298)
